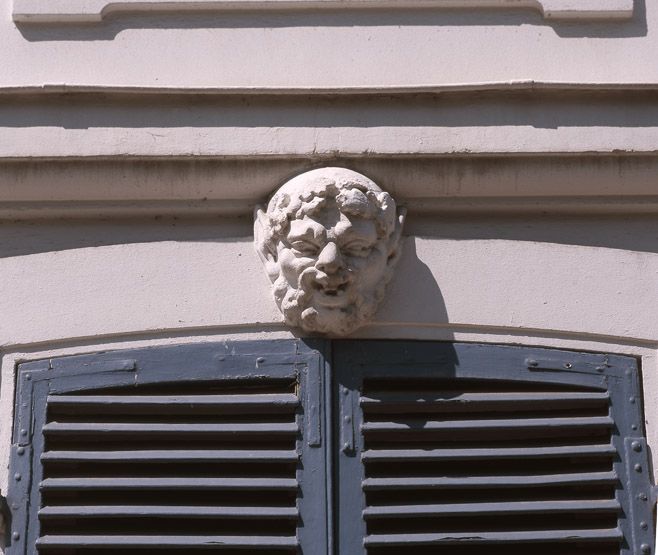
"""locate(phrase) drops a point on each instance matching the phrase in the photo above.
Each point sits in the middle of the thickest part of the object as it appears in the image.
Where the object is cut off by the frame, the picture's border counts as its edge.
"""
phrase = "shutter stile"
(482, 465)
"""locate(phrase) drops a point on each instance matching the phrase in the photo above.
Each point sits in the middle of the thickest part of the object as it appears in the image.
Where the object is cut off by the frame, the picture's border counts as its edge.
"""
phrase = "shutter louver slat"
(269, 402)
(88, 511)
(466, 482)
(145, 483)
(521, 507)
(596, 422)
(172, 455)
(169, 429)
(176, 542)
(434, 401)
(492, 538)
(401, 455)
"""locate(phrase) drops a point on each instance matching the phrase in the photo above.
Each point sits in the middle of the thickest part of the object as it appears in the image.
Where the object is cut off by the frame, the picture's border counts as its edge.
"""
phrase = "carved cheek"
(374, 267)
(292, 266)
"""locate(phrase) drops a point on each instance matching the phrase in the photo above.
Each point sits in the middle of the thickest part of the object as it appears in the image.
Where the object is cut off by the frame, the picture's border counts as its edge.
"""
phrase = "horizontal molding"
(495, 123)
(231, 187)
(487, 206)
(93, 11)
(513, 85)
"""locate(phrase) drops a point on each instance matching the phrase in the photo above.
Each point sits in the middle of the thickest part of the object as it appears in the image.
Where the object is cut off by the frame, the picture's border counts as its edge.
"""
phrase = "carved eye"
(305, 248)
(357, 249)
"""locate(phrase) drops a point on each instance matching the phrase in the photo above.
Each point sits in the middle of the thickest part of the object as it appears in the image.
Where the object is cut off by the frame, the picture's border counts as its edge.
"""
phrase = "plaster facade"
(133, 151)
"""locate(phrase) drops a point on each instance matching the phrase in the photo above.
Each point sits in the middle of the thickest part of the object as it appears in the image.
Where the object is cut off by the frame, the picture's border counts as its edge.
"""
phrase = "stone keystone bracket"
(329, 239)
(89, 11)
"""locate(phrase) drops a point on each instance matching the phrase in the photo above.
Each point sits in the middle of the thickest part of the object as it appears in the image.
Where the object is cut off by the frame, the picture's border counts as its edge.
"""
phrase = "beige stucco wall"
(133, 149)
(592, 277)
(579, 282)
(312, 49)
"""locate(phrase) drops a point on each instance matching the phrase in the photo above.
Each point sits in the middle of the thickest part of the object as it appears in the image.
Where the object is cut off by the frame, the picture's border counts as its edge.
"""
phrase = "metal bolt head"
(644, 525)
(20, 450)
(637, 446)
(17, 477)
(260, 359)
(642, 497)
(638, 468)
(645, 548)
(15, 536)
(631, 400)
(28, 376)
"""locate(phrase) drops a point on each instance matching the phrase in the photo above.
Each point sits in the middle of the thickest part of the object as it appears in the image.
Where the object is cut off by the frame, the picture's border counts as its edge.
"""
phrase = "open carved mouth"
(331, 291)
(331, 294)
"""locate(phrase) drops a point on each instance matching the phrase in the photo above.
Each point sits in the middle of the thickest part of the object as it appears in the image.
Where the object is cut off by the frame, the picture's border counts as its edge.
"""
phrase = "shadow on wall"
(113, 25)
(426, 304)
(536, 109)
(636, 233)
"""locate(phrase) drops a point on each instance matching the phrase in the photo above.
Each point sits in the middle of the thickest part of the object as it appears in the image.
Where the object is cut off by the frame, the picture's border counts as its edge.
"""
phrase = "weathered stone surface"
(329, 239)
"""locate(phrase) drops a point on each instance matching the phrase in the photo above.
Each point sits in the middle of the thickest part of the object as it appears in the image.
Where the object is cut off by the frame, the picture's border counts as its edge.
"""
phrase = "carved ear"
(265, 247)
(395, 240)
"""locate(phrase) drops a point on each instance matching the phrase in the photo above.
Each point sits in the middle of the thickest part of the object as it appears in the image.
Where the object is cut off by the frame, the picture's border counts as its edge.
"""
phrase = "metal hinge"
(544, 363)
(642, 494)
(347, 431)
(15, 506)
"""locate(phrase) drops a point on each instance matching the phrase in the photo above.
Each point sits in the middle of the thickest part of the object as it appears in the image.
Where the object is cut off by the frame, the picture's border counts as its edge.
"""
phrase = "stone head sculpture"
(329, 239)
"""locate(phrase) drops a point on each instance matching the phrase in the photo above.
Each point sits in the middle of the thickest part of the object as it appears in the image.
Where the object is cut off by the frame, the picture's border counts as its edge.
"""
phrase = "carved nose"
(330, 259)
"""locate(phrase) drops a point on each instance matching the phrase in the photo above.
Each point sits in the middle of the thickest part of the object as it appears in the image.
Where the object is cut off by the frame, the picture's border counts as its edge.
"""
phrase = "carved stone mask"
(329, 239)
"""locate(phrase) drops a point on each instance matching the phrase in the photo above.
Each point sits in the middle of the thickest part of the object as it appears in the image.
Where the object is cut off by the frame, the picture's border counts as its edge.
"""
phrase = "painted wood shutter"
(475, 449)
(210, 447)
(224, 448)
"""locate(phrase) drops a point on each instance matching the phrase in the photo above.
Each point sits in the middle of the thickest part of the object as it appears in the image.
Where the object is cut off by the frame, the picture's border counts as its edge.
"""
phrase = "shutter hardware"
(566, 364)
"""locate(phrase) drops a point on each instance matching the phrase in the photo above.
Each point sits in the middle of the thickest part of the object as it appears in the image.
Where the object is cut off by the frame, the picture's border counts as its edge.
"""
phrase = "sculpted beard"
(295, 302)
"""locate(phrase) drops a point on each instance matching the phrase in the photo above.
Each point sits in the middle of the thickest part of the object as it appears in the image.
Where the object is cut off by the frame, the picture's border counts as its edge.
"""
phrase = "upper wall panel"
(247, 45)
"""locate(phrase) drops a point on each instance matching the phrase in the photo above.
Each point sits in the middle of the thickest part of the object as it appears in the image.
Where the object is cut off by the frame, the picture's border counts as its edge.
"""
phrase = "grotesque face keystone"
(329, 239)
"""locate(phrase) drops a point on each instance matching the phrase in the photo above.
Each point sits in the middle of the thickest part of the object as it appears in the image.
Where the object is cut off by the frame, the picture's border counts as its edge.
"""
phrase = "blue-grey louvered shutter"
(211, 447)
(481, 449)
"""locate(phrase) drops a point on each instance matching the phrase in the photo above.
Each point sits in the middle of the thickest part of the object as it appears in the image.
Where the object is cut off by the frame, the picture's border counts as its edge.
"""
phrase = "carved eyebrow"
(306, 236)
(355, 238)
(354, 235)
(308, 233)
(359, 241)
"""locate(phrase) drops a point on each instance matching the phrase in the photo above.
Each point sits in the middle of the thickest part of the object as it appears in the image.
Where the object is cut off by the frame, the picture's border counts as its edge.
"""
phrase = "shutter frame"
(618, 375)
(37, 380)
